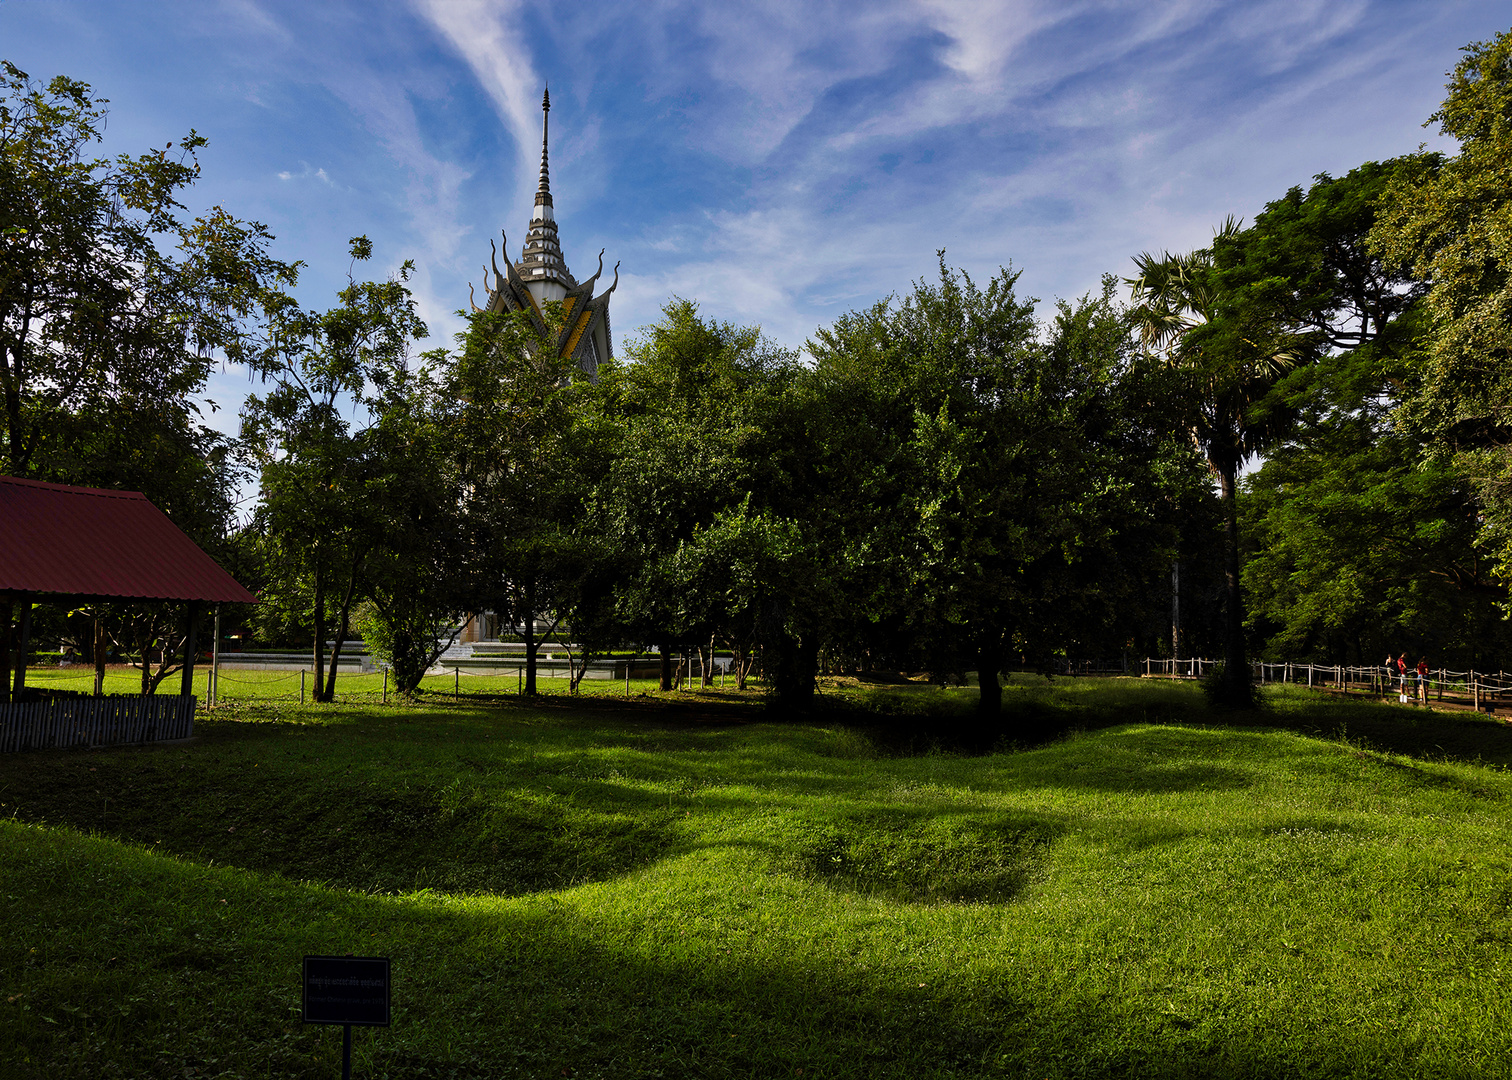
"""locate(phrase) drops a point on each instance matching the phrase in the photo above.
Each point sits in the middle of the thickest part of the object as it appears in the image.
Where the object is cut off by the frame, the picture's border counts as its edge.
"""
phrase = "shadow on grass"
(345, 833)
(1040, 713)
(1417, 733)
(917, 855)
(537, 989)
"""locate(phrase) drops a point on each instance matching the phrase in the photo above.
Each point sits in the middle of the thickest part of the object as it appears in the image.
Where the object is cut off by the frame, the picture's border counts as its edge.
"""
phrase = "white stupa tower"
(541, 277)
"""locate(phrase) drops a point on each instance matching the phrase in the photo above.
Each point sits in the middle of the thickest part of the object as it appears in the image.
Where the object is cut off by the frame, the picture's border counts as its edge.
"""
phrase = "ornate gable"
(541, 276)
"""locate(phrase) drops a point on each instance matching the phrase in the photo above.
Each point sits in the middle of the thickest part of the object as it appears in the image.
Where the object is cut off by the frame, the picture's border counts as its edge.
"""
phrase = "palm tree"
(1230, 354)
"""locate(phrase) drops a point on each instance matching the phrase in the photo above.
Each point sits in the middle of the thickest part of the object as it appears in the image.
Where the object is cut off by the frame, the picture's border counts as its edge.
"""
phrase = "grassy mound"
(596, 892)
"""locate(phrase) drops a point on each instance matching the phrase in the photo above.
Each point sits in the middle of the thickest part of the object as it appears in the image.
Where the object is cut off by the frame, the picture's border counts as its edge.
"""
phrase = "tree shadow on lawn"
(1396, 729)
(921, 855)
(1046, 716)
(488, 989)
(346, 833)
(916, 721)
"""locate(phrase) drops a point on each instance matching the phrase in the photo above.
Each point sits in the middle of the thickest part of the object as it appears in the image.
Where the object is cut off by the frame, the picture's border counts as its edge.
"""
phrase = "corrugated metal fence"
(62, 720)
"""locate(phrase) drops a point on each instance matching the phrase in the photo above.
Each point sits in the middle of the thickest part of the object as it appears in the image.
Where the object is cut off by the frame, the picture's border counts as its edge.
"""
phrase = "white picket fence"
(85, 720)
(1479, 689)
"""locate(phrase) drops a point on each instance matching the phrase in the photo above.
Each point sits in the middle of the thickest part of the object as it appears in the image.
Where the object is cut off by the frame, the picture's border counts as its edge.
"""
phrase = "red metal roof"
(85, 542)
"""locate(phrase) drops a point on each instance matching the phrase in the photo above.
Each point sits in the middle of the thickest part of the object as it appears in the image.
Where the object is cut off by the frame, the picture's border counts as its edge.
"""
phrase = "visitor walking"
(1389, 666)
(1402, 674)
(1422, 679)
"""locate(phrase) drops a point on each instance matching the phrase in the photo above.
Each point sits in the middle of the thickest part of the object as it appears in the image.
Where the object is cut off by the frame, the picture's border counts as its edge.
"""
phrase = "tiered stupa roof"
(543, 260)
(541, 276)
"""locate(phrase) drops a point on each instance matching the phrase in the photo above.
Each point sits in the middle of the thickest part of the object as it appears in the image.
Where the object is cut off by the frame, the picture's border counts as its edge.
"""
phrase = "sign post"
(346, 990)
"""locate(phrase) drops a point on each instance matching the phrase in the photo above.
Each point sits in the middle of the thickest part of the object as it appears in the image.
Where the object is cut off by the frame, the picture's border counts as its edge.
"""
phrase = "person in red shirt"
(1422, 679)
(1402, 673)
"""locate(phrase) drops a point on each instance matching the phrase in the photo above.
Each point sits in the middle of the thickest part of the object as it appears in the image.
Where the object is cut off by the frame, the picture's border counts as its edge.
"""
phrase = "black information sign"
(346, 990)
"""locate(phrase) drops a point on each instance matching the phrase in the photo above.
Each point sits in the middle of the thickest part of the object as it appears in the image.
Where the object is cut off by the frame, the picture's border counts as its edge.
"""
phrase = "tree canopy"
(1448, 222)
(95, 317)
(952, 480)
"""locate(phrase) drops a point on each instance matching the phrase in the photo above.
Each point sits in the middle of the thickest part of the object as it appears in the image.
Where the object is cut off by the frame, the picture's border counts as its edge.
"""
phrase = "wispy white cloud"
(487, 35)
(1133, 136)
(250, 17)
(306, 173)
(782, 161)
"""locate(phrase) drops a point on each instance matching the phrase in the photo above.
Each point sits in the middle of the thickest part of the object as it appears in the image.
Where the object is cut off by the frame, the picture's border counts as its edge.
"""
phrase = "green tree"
(1231, 347)
(1146, 496)
(513, 433)
(316, 511)
(1358, 547)
(692, 466)
(1358, 542)
(415, 579)
(1449, 222)
(983, 464)
(99, 325)
(93, 313)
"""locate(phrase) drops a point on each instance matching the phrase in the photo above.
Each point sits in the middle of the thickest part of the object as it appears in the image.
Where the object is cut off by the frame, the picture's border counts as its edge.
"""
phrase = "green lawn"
(238, 685)
(695, 888)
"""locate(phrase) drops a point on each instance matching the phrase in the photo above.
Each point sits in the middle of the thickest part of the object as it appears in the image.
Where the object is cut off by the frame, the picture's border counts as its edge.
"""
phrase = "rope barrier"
(1483, 688)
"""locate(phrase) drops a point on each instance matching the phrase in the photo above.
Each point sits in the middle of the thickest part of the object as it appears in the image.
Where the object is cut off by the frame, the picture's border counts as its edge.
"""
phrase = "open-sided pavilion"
(72, 546)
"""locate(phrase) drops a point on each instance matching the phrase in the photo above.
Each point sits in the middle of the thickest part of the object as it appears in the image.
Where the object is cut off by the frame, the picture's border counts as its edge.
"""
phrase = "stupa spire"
(541, 263)
(543, 192)
(541, 278)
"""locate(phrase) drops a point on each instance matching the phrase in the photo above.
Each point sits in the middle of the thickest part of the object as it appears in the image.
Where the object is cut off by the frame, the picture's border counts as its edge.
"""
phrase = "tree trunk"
(989, 665)
(191, 618)
(343, 627)
(742, 664)
(793, 681)
(1238, 690)
(577, 666)
(22, 645)
(665, 648)
(1176, 609)
(146, 649)
(319, 610)
(530, 639)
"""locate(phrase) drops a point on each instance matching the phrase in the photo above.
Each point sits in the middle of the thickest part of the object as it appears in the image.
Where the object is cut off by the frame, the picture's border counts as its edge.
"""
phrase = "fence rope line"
(250, 685)
(1483, 689)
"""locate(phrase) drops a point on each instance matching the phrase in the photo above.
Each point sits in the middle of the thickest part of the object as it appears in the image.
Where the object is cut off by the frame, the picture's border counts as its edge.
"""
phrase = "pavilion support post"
(187, 687)
(7, 612)
(214, 692)
(100, 643)
(23, 646)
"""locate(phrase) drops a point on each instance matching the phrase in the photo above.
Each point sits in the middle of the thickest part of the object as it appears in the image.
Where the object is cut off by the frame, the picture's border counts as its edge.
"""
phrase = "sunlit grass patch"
(626, 893)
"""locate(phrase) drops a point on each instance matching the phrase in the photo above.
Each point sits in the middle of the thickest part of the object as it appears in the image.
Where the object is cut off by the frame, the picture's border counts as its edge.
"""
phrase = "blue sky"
(781, 163)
